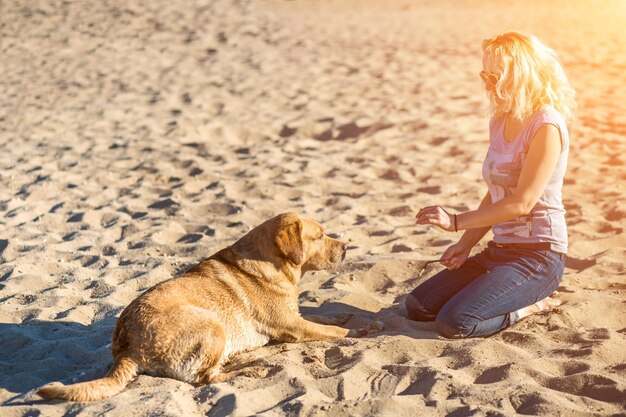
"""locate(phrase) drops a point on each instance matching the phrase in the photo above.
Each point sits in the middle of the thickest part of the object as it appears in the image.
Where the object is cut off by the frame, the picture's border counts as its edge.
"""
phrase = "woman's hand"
(435, 215)
(455, 256)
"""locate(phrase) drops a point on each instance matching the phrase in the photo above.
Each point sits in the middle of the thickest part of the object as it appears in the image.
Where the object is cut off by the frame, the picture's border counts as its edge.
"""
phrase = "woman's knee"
(415, 309)
(453, 325)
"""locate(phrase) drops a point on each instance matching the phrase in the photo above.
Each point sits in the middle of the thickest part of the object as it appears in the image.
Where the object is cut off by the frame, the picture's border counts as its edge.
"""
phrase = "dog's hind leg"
(212, 351)
(192, 349)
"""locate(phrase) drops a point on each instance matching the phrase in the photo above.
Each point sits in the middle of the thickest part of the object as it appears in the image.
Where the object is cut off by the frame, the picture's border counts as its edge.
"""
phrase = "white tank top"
(501, 170)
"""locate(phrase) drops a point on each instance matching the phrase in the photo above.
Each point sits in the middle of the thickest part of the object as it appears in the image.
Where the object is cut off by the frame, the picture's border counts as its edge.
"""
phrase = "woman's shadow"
(35, 353)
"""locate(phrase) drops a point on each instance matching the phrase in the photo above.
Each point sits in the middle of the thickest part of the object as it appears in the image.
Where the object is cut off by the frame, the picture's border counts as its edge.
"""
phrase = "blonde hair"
(530, 76)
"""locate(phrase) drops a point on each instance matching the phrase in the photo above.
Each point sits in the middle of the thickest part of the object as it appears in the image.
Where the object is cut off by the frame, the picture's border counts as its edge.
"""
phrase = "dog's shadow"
(393, 317)
(35, 353)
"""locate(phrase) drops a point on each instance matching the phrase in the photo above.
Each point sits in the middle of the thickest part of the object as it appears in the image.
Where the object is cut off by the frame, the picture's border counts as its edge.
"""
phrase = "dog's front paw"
(372, 327)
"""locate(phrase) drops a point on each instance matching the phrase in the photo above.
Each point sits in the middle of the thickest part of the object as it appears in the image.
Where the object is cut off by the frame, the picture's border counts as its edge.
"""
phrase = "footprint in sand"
(533, 403)
(573, 213)
(440, 242)
(573, 353)
(335, 359)
(109, 251)
(423, 382)
(75, 218)
(439, 140)
(54, 208)
(377, 233)
(6, 273)
(599, 334)
(390, 175)
(190, 238)
(430, 190)
(497, 374)
(401, 248)
(401, 211)
(23, 299)
(138, 215)
(100, 289)
(163, 204)
(593, 386)
(381, 384)
(605, 227)
(88, 261)
(574, 367)
(108, 220)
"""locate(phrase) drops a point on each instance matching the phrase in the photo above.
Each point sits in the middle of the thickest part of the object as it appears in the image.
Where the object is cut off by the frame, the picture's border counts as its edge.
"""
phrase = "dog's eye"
(320, 236)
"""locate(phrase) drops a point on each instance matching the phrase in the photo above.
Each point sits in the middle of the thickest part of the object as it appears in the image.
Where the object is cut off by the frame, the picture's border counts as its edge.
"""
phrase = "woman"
(530, 99)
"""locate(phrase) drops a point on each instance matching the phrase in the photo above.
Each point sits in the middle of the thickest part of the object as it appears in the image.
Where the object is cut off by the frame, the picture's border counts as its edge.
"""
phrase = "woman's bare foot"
(547, 303)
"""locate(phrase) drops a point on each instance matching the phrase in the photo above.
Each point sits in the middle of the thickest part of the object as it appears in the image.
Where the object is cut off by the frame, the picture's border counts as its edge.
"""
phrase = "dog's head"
(303, 243)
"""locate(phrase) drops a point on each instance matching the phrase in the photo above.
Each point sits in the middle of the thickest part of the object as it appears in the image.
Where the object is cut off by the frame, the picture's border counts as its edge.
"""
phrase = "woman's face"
(489, 75)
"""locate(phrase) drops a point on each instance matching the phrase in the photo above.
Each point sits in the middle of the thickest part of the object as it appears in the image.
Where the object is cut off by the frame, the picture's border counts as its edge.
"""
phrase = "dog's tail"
(122, 372)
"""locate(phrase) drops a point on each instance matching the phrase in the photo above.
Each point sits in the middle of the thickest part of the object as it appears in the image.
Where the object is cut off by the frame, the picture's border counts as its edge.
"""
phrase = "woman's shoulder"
(548, 115)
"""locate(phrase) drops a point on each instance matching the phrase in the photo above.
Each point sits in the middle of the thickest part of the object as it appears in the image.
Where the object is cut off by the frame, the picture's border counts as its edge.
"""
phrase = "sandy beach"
(139, 137)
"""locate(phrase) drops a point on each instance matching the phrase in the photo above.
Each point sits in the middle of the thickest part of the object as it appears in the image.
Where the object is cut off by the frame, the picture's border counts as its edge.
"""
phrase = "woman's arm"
(541, 159)
(472, 236)
(456, 255)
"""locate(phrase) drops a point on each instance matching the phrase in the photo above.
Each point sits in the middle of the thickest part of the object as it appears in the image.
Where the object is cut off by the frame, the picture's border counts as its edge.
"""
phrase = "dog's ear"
(289, 242)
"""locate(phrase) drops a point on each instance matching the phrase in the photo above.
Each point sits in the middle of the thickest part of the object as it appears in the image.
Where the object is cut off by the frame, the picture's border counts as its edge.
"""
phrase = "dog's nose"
(344, 247)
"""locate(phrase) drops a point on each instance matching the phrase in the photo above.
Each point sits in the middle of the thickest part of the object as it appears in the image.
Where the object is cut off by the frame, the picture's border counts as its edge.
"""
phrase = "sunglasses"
(489, 78)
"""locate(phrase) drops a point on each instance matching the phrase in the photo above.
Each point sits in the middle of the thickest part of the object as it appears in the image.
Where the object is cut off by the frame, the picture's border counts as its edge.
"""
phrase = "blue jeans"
(482, 296)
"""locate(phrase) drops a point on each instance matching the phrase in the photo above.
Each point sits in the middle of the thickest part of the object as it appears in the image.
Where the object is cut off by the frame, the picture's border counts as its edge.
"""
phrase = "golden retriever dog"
(238, 299)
